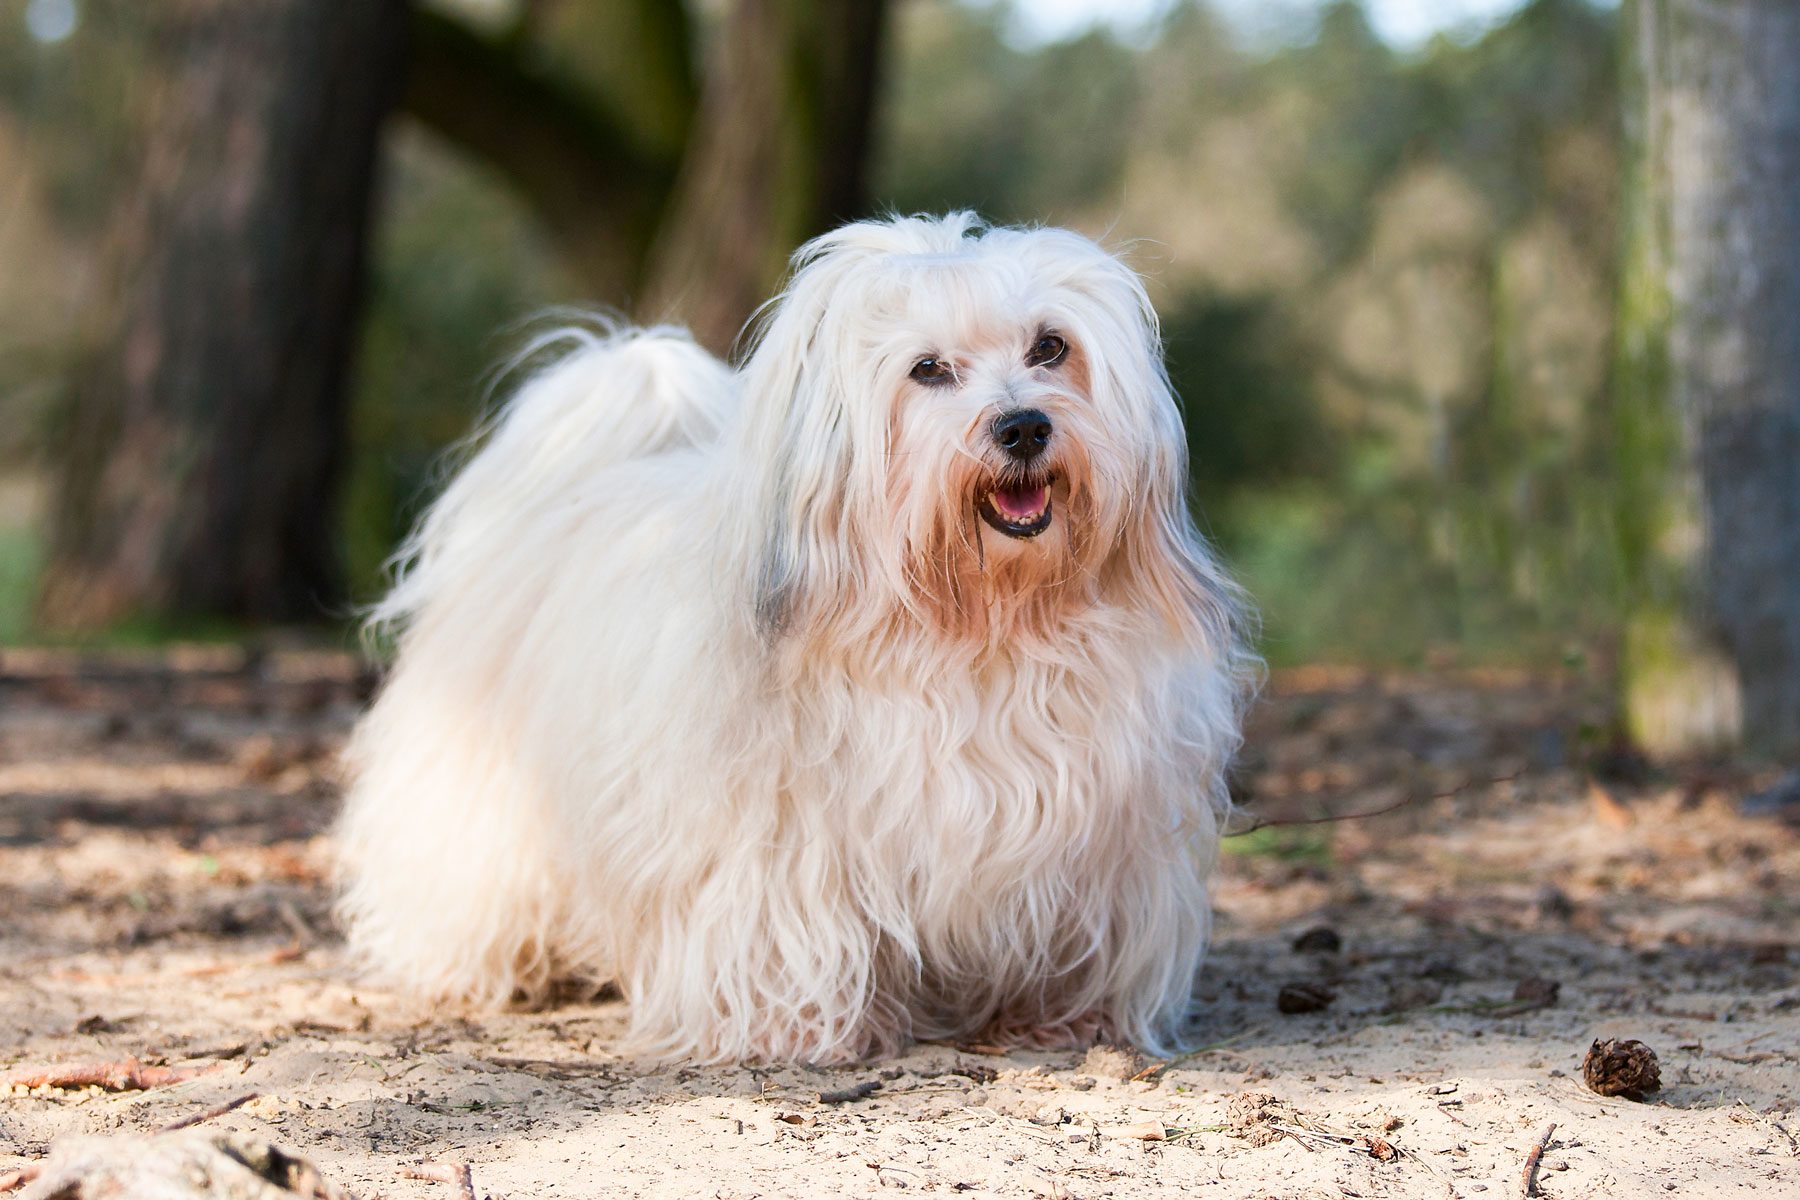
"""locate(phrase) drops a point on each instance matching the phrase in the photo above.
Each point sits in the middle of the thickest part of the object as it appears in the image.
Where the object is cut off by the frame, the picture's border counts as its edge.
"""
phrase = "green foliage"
(1308, 845)
(1251, 417)
(1386, 288)
(456, 272)
(1386, 282)
(20, 552)
(972, 122)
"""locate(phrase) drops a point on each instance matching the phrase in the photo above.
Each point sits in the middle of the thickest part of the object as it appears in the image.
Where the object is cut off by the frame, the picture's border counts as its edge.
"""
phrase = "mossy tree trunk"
(202, 449)
(201, 455)
(778, 154)
(1708, 402)
(673, 199)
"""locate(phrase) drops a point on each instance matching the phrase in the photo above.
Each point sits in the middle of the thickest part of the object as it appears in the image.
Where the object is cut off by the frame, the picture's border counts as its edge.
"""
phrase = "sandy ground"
(162, 896)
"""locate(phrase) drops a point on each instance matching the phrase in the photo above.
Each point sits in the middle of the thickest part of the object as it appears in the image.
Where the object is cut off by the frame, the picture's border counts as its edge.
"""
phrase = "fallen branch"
(128, 1075)
(1403, 802)
(289, 912)
(1528, 1177)
(857, 1092)
(458, 1175)
(210, 1113)
(20, 1177)
(274, 958)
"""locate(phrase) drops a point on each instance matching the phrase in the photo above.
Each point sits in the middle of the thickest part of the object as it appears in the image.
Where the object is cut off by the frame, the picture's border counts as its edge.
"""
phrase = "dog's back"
(616, 395)
(444, 841)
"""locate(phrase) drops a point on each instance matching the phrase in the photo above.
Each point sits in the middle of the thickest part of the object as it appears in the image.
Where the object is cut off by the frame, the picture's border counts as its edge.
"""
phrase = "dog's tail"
(612, 394)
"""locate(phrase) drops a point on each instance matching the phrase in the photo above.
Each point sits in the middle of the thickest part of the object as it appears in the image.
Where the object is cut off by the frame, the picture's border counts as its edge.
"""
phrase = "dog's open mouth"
(1020, 510)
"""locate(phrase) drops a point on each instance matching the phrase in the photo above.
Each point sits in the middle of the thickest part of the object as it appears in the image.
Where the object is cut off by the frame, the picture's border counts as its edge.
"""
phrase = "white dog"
(881, 690)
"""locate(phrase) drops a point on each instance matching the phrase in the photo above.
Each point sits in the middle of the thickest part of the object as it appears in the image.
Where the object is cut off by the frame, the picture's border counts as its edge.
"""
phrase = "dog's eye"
(933, 370)
(1047, 351)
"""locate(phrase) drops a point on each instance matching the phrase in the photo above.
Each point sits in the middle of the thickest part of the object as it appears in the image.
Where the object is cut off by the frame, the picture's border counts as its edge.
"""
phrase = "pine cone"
(1627, 1069)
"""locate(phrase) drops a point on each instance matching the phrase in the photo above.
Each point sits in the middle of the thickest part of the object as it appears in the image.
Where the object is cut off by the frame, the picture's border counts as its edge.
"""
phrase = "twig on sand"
(1528, 1177)
(1232, 831)
(856, 1092)
(1495, 1009)
(274, 958)
(209, 1114)
(127, 1075)
(458, 1175)
(1293, 1135)
(289, 912)
(20, 1177)
(1378, 1148)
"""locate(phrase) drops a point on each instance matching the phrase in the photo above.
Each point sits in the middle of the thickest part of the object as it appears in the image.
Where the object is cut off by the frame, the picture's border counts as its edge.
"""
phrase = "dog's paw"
(1020, 1030)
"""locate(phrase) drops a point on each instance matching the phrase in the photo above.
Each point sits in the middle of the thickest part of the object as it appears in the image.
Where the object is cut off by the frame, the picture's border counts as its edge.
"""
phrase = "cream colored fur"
(712, 683)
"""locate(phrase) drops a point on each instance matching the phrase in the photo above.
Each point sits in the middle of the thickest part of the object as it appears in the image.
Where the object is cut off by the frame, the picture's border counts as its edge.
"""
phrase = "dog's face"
(1002, 454)
(1001, 415)
(974, 432)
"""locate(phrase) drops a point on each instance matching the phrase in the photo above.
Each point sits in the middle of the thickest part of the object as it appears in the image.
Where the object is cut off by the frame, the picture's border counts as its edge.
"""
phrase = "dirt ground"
(162, 897)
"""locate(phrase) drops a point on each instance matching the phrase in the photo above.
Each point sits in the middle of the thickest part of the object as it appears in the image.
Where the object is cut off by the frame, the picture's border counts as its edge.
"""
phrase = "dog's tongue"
(1017, 504)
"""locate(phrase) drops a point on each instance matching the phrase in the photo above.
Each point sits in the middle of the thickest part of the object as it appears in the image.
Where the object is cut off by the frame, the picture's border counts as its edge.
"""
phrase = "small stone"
(1553, 904)
(1320, 939)
(1297, 998)
(1615, 1068)
(1536, 989)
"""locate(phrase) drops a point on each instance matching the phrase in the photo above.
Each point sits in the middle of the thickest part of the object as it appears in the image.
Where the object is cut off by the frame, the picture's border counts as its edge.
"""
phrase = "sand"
(163, 896)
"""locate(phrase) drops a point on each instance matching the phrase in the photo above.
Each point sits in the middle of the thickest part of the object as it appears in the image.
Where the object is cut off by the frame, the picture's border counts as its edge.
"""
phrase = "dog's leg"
(769, 957)
(450, 866)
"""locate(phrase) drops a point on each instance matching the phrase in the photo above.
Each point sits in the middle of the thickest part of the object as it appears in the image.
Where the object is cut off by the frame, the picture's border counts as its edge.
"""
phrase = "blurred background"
(257, 270)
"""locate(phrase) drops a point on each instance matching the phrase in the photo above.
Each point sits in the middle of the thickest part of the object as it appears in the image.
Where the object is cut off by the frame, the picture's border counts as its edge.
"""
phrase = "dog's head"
(968, 428)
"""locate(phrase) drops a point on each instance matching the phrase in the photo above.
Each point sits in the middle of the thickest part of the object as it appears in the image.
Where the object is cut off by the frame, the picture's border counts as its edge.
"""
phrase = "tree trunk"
(1710, 383)
(206, 434)
(596, 179)
(777, 155)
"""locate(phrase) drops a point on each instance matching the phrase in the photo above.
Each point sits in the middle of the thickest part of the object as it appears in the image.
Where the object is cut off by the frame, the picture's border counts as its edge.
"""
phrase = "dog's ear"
(1159, 557)
(797, 453)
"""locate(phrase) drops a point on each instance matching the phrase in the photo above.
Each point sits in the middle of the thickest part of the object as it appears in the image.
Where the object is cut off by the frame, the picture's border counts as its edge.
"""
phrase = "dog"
(880, 690)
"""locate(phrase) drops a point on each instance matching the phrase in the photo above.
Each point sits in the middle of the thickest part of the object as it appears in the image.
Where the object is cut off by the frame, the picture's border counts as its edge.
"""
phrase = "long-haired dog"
(882, 689)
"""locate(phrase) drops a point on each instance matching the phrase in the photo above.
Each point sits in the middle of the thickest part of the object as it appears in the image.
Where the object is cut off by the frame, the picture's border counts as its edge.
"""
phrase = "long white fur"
(712, 684)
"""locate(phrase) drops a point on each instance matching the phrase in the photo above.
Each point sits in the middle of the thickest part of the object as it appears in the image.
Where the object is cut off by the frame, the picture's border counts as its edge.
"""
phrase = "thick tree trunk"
(206, 436)
(662, 211)
(1710, 396)
(777, 154)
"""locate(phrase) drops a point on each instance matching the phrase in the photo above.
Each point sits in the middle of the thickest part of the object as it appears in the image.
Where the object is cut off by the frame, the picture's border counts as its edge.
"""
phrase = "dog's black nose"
(1022, 434)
